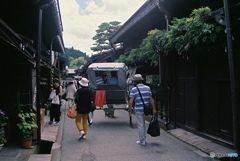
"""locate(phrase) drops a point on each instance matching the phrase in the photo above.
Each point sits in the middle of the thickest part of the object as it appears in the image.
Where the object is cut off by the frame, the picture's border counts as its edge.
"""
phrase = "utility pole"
(235, 106)
(38, 68)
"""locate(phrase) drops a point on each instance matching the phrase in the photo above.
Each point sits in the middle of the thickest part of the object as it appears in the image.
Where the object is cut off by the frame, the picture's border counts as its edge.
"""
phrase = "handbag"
(154, 128)
(148, 110)
(52, 95)
(92, 107)
(72, 113)
(64, 96)
(56, 100)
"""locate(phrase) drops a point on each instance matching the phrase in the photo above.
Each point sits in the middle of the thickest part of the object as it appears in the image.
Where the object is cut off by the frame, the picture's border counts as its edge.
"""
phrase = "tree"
(72, 54)
(104, 32)
(77, 62)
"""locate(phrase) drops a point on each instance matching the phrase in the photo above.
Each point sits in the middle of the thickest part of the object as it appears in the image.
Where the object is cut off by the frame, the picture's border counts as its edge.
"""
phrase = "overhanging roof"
(146, 18)
(22, 17)
(12, 41)
(151, 15)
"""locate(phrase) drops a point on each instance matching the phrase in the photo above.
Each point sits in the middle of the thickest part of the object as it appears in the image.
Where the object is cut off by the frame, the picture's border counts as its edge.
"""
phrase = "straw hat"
(84, 82)
(137, 77)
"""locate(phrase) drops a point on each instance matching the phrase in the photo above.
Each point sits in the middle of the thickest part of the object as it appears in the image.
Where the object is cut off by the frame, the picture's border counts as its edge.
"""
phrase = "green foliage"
(186, 36)
(26, 123)
(146, 53)
(3, 139)
(72, 54)
(155, 86)
(77, 62)
(3, 119)
(104, 32)
(47, 105)
(3, 123)
(191, 34)
(52, 76)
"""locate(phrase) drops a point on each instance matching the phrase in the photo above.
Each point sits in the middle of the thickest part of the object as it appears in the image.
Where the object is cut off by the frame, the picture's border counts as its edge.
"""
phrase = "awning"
(22, 17)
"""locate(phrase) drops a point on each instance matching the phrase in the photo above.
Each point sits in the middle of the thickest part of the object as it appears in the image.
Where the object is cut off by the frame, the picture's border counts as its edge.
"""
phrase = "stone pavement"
(15, 153)
(201, 143)
(54, 134)
(168, 140)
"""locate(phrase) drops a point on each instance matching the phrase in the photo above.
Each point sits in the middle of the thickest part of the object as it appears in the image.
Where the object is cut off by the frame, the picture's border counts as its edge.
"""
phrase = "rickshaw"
(116, 94)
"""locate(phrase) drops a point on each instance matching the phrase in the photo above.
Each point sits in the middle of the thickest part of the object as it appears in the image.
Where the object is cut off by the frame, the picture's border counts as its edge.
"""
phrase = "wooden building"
(30, 37)
(199, 88)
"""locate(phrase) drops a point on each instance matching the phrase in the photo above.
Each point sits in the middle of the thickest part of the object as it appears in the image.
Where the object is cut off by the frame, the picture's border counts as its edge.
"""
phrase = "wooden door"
(185, 93)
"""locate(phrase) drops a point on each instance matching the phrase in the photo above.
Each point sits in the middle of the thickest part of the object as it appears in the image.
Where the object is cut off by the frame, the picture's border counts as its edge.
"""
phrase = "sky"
(81, 19)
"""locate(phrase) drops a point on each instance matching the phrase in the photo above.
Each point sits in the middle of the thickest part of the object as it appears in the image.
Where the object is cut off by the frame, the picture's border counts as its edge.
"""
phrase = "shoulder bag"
(148, 110)
(93, 106)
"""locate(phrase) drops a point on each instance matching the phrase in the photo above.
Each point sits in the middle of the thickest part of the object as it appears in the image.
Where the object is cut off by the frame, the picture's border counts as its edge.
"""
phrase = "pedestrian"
(139, 110)
(99, 78)
(70, 94)
(75, 82)
(83, 99)
(55, 107)
(113, 79)
(105, 78)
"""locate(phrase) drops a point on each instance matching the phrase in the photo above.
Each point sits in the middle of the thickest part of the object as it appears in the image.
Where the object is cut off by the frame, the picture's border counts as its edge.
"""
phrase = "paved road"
(112, 139)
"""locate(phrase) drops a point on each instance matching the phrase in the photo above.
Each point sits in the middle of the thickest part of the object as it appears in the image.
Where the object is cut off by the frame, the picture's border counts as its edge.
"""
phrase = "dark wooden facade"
(198, 86)
(201, 99)
(19, 34)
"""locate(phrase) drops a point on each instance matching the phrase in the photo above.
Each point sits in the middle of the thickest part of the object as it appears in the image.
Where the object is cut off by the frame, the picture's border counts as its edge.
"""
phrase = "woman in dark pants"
(55, 108)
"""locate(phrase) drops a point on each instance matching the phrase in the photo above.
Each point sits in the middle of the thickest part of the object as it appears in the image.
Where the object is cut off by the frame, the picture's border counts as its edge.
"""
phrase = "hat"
(84, 82)
(137, 77)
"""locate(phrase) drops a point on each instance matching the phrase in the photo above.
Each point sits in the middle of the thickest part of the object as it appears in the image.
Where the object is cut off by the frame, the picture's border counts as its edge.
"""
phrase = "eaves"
(146, 9)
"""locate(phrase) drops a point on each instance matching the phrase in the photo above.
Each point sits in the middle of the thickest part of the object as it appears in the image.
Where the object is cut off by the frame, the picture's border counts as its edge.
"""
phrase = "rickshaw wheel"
(90, 118)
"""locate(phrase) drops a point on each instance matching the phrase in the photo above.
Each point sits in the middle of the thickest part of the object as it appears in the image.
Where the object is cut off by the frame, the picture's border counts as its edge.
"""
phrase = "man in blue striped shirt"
(147, 98)
(99, 79)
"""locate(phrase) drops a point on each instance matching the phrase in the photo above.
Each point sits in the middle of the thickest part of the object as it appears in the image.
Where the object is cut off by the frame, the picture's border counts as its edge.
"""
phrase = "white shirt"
(71, 91)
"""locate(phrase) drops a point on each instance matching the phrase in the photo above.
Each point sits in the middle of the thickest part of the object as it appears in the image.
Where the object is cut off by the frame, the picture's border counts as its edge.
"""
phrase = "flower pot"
(27, 143)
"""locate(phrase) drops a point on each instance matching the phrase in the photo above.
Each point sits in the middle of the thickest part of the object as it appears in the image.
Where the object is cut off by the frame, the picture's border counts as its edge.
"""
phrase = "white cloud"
(79, 24)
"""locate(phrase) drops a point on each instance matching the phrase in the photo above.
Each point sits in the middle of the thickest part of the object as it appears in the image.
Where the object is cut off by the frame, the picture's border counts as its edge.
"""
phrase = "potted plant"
(26, 126)
(3, 123)
(47, 108)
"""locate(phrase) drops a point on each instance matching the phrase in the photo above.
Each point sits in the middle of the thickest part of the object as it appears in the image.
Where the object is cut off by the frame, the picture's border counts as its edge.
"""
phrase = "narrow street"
(112, 139)
(186, 51)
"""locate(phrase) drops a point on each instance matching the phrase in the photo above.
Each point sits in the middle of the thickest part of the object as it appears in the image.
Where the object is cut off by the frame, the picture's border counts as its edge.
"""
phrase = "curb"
(56, 148)
(53, 135)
